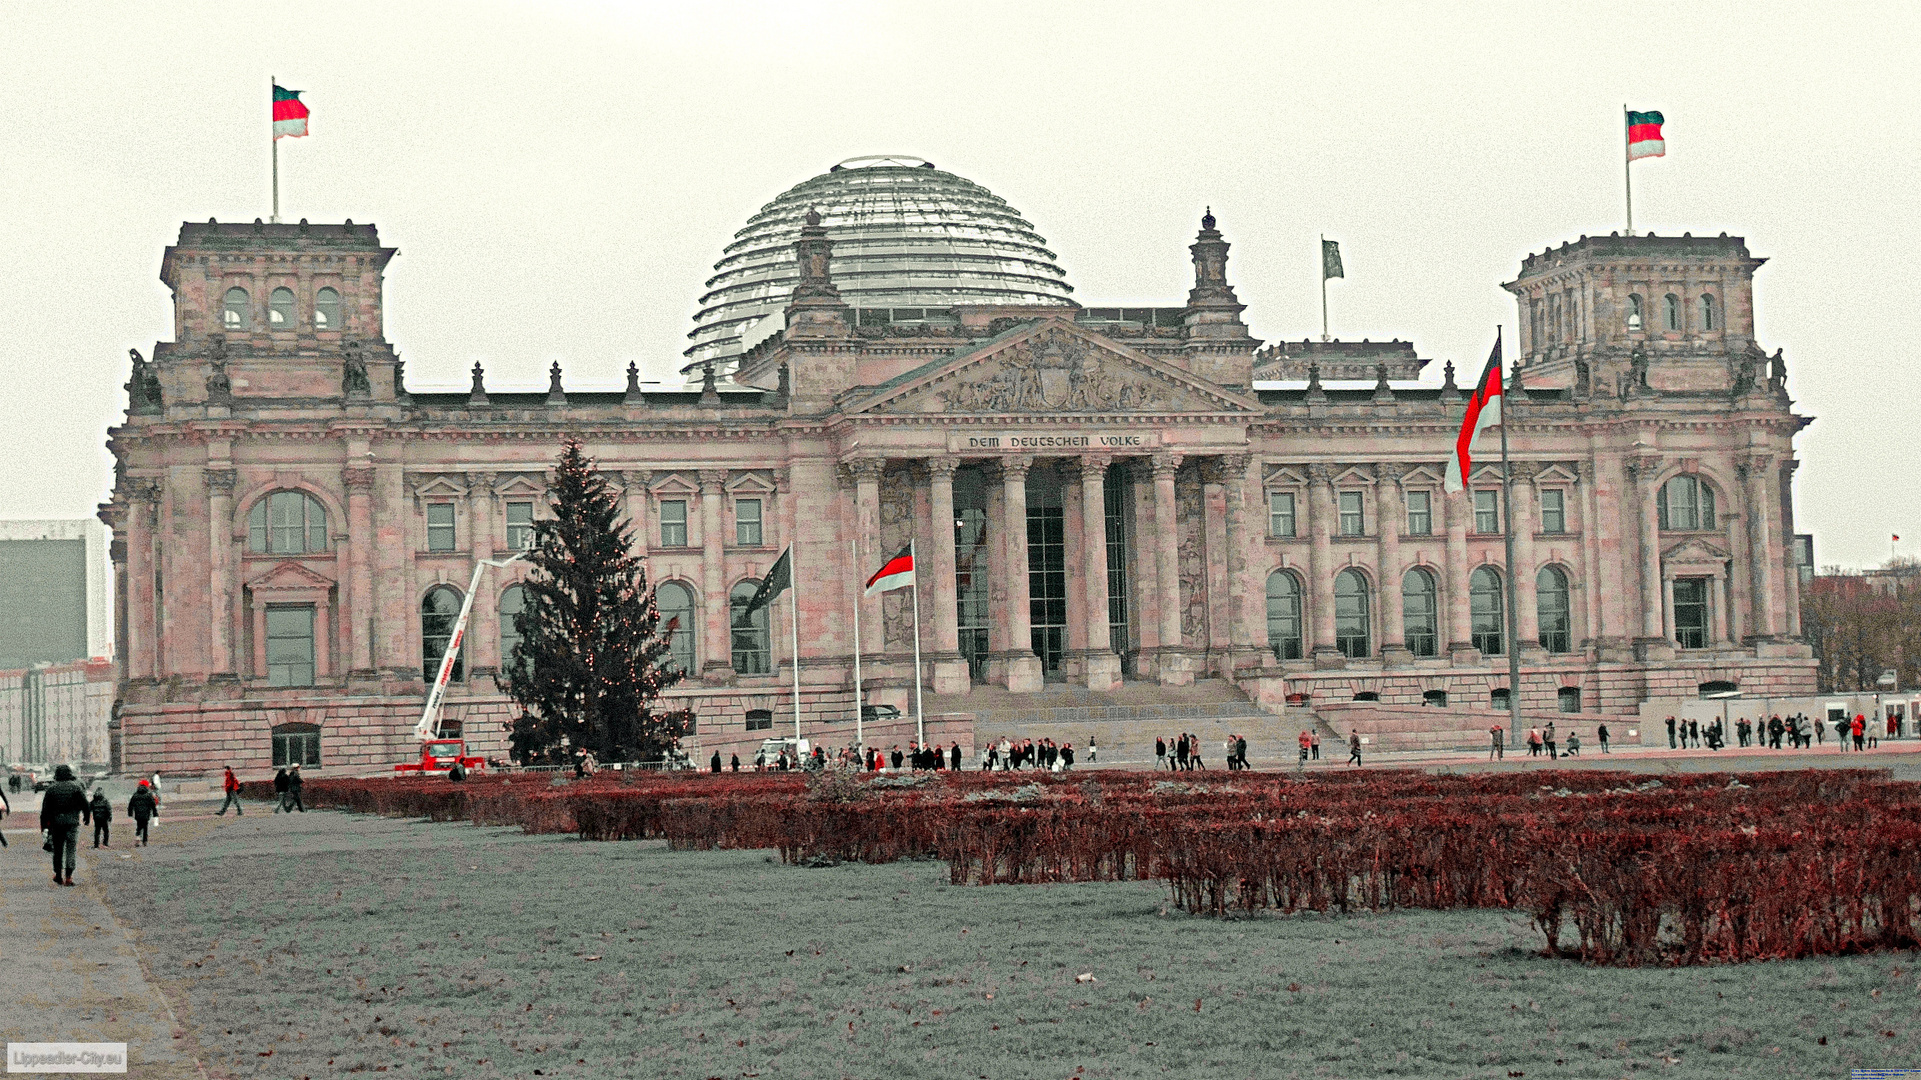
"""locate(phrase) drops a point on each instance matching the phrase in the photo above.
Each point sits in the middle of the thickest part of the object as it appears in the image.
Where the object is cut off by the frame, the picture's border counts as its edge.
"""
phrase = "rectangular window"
(290, 645)
(295, 744)
(1487, 512)
(440, 526)
(673, 523)
(1569, 698)
(1691, 612)
(520, 526)
(760, 719)
(1553, 511)
(1351, 521)
(1420, 513)
(747, 522)
(1280, 513)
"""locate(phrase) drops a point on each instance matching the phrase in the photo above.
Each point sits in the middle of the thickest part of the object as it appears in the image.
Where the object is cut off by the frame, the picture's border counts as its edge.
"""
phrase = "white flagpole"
(273, 140)
(920, 725)
(853, 553)
(793, 612)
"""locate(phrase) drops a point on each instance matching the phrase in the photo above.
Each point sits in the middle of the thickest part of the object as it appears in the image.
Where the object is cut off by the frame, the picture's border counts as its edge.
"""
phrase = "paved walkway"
(71, 973)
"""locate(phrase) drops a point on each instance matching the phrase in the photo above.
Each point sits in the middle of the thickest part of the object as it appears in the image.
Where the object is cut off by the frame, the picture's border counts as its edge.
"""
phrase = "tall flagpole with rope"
(1486, 408)
(860, 699)
(1513, 572)
(920, 725)
(1642, 132)
(1627, 162)
(288, 119)
(793, 621)
(273, 140)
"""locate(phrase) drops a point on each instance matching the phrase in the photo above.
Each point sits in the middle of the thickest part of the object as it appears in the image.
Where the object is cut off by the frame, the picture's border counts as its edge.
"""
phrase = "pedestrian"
(1534, 742)
(102, 812)
(1240, 750)
(1671, 745)
(1353, 747)
(62, 809)
(713, 763)
(1742, 730)
(733, 762)
(280, 791)
(1573, 744)
(142, 808)
(1067, 756)
(1497, 746)
(1227, 751)
(1694, 733)
(1315, 746)
(1774, 733)
(1860, 731)
(231, 785)
(1194, 753)
(294, 782)
(1820, 731)
(1602, 734)
(953, 756)
(1304, 746)
(1180, 753)
(1548, 741)
(896, 758)
(1093, 752)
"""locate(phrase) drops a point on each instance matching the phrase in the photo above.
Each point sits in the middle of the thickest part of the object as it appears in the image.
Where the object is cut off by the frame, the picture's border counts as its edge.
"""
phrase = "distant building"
(56, 641)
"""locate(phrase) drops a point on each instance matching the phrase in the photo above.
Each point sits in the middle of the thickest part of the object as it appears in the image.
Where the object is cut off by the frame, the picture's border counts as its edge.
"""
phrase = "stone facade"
(291, 523)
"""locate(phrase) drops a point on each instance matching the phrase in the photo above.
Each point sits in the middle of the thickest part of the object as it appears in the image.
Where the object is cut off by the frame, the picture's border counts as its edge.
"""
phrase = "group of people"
(1183, 753)
(1008, 754)
(65, 807)
(1797, 732)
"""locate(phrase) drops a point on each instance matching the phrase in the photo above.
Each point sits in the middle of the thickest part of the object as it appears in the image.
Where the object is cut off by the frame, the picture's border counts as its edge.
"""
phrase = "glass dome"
(906, 235)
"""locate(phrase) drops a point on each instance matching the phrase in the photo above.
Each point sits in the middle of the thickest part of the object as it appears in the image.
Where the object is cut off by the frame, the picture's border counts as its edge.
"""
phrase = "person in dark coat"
(63, 807)
(953, 757)
(733, 762)
(280, 791)
(142, 808)
(102, 813)
(713, 763)
(293, 788)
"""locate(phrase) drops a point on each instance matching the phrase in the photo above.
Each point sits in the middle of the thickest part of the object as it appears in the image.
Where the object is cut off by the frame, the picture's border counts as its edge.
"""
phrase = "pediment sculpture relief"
(1053, 374)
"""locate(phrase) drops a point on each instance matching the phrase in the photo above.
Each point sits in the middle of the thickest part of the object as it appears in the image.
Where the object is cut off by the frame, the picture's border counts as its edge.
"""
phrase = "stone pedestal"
(1174, 667)
(1397, 656)
(1103, 671)
(1461, 655)
(950, 674)
(1656, 649)
(1328, 658)
(1024, 675)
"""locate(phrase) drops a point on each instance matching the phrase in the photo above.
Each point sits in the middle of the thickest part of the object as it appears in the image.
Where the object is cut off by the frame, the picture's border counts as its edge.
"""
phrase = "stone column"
(1790, 572)
(1460, 619)
(359, 582)
(484, 622)
(1024, 675)
(1590, 557)
(716, 643)
(220, 562)
(1067, 473)
(1390, 511)
(260, 638)
(1761, 544)
(1214, 576)
(950, 667)
(1719, 633)
(636, 482)
(1666, 613)
(1321, 520)
(1245, 646)
(1175, 667)
(142, 626)
(1103, 663)
(867, 542)
(323, 639)
(1527, 611)
(1642, 473)
(1740, 595)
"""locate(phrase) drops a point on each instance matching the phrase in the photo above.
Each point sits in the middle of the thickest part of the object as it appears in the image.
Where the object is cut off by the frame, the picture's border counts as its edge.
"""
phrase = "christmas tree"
(592, 660)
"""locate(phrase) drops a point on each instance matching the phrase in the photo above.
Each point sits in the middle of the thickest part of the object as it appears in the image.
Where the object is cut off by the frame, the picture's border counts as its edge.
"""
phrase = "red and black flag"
(895, 573)
(1483, 412)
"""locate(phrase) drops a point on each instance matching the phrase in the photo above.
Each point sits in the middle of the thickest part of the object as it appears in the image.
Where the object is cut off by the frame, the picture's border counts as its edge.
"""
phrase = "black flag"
(775, 583)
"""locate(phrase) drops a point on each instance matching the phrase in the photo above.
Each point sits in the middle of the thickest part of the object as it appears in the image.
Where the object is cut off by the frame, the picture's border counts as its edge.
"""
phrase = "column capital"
(1390, 472)
(357, 477)
(711, 480)
(783, 480)
(941, 468)
(1643, 469)
(1236, 463)
(1165, 465)
(481, 483)
(1095, 462)
(1214, 471)
(1015, 467)
(636, 479)
(1320, 472)
(144, 489)
(219, 481)
(1584, 469)
(1756, 465)
(867, 469)
(1524, 471)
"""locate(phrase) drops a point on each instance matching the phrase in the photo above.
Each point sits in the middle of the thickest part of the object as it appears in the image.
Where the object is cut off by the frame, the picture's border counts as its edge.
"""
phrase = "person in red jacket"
(231, 785)
(1860, 731)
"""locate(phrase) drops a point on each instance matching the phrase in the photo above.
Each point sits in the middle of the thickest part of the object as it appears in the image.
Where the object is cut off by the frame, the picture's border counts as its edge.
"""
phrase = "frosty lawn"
(341, 943)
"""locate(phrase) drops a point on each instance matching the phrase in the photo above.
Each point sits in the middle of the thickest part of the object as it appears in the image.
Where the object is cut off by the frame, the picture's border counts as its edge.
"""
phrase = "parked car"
(879, 712)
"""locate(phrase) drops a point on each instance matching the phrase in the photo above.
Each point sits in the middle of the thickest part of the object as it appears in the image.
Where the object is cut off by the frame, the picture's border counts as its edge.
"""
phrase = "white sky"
(560, 177)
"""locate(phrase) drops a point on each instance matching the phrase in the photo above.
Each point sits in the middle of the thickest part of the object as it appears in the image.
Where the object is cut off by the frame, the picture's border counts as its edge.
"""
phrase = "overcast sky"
(560, 177)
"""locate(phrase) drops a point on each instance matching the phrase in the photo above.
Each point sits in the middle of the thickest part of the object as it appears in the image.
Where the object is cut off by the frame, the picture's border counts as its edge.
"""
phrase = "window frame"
(236, 317)
(1695, 635)
(264, 535)
(1431, 598)
(1560, 638)
(1353, 643)
(301, 737)
(756, 656)
(430, 668)
(321, 305)
(1426, 513)
(1479, 616)
(667, 539)
(294, 676)
(443, 537)
(1637, 313)
(1351, 522)
(741, 524)
(282, 316)
(524, 529)
(685, 640)
(1483, 515)
(1701, 516)
(1282, 522)
(1567, 695)
(1559, 512)
(509, 633)
(1671, 314)
(1709, 320)
(1285, 647)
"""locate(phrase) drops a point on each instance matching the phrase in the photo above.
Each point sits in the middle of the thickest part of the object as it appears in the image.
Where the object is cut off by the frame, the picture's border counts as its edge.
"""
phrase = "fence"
(53, 713)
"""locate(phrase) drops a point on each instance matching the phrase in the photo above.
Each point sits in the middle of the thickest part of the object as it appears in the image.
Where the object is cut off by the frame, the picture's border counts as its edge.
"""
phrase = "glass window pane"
(747, 522)
(1553, 511)
(750, 645)
(513, 600)
(675, 603)
(257, 526)
(440, 526)
(520, 526)
(1280, 513)
(236, 310)
(1284, 615)
(1351, 523)
(1551, 604)
(1487, 613)
(673, 523)
(280, 313)
(1351, 611)
(326, 310)
(1487, 512)
(1691, 612)
(439, 611)
(1420, 614)
(290, 646)
(1420, 513)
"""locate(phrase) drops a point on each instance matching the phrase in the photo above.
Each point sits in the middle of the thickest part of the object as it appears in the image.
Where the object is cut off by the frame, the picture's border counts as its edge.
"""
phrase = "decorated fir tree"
(592, 660)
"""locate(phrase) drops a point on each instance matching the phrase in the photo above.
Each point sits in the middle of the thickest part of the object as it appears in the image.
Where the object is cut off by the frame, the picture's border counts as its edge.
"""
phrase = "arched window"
(1488, 613)
(1671, 307)
(280, 314)
(1351, 623)
(326, 310)
(287, 523)
(513, 601)
(675, 603)
(296, 744)
(751, 654)
(1550, 600)
(236, 311)
(1637, 313)
(439, 610)
(1420, 614)
(1708, 321)
(1284, 615)
(1686, 504)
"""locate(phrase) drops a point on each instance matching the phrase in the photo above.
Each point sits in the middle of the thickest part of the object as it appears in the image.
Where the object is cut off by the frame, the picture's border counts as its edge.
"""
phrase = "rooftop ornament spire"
(555, 394)
(478, 395)
(633, 395)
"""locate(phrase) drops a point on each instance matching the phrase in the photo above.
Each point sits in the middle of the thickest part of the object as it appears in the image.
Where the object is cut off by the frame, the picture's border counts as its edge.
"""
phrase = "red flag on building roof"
(895, 573)
(1644, 135)
(1483, 412)
(289, 115)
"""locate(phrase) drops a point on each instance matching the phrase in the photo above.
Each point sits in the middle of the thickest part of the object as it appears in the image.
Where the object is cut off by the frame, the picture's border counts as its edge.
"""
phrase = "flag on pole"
(1483, 412)
(289, 115)
(1331, 259)
(895, 573)
(776, 582)
(1644, 136)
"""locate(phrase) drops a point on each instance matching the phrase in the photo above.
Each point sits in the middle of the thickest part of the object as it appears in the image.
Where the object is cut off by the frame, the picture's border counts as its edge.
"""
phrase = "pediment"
(1422, 476)
(1485, 474)
(1695, 549)
(673, 484)
(1284, 476)
(442, 485)
(522, 485)
(1354, 475)
(290, 577)
(1557, 472)
(750, 483)
(1053, 367)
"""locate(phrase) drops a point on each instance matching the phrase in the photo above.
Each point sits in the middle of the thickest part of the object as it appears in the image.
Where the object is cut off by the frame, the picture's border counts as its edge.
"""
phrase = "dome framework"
(908, 237)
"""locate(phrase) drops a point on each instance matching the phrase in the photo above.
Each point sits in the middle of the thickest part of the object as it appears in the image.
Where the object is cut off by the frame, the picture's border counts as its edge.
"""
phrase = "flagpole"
(920, 723)
(1507, 536)
(1324, 287)
(1627, 165)
(793, 612)
(274, 142)
(853, 553)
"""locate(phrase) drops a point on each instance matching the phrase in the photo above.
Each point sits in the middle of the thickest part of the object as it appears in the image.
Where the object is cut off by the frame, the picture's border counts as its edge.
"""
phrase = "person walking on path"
(102, 813)
(1160, 753)
(5, 809)
(1180, 752)
(1093, 751)
(280, 791)
(63, 807)
(1671, 745)
(1497, 746)
(1548, 740)
(142, 808)
(1534, 742)
(231, 785)
(1315, 746)
(294, 782)
(1305, 743)
(1860, 732)
(1240, 750)
(1602, 734)
(1353, 747)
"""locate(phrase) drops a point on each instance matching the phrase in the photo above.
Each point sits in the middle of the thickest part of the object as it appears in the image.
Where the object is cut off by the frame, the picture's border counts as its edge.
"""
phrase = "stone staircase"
(1420, 727)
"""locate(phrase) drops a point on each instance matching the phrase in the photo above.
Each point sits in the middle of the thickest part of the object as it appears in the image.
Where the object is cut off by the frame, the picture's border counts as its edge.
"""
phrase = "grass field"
(331, 944)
